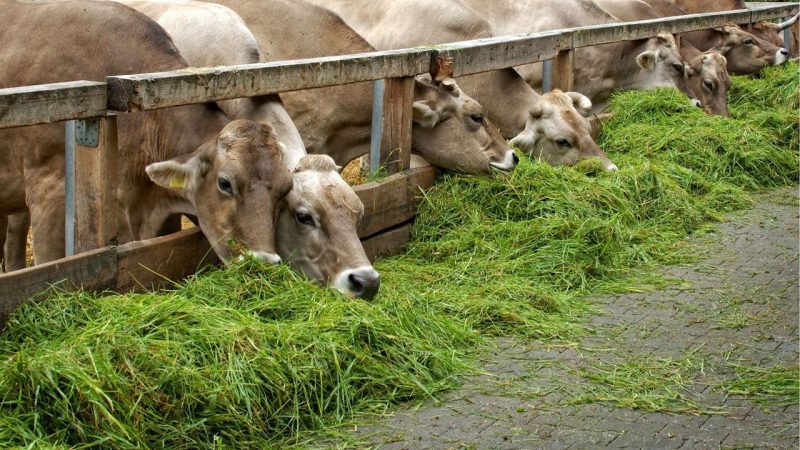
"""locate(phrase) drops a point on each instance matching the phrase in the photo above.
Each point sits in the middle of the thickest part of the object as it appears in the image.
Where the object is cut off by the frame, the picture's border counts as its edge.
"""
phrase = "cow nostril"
(785, 52)
(356, 284)
(515, 158)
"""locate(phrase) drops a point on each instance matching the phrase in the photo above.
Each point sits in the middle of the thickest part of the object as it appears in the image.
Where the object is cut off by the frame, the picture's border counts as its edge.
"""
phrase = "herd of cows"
(261, 175)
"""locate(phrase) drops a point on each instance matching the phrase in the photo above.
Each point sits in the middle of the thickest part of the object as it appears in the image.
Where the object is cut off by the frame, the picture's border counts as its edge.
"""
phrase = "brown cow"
(232, 180)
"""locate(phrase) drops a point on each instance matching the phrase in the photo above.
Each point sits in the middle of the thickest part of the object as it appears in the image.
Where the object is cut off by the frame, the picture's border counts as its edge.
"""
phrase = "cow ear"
(177, 174)
(450, 86)
(647, 60)
(424, 115)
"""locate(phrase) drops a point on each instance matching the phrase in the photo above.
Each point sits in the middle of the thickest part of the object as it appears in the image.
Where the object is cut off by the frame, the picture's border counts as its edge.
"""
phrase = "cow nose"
(784, 52)
(361, 282)
(515, 158)
(271, 258)
(364, 284)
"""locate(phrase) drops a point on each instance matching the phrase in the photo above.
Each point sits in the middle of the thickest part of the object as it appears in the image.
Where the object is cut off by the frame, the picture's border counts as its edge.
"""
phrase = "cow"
(508, 100)
(337, 120)
(190, 159)
(598, 70)
(706, 74)
(317, 224)
(13, 240)
(745, 52)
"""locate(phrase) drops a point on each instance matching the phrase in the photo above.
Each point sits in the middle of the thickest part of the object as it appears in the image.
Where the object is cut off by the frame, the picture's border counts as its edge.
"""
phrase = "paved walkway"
(658, 370)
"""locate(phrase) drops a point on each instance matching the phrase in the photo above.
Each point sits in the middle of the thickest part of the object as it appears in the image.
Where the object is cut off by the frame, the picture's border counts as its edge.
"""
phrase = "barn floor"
(691, 366)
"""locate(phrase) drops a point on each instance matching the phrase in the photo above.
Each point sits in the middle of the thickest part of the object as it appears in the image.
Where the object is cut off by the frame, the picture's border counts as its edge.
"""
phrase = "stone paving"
(653, 371)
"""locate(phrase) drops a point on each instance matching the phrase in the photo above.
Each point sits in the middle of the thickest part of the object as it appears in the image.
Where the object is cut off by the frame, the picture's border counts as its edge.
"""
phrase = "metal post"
(547, 76)
(378, 87)
(69, 187)
(787, 37)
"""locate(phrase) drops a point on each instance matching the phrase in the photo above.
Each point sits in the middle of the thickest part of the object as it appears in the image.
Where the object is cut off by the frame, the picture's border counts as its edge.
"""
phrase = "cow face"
(772, 32)
(232, 184)
(662, 66)
(557, 134)
(708, 77)
(452, 132)
(746, 53)
(317, 229)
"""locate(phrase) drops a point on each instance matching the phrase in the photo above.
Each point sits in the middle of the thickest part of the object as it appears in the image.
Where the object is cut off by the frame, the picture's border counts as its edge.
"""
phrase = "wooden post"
(96, 189)
(562, 70)
(398, 100)
(794, 40)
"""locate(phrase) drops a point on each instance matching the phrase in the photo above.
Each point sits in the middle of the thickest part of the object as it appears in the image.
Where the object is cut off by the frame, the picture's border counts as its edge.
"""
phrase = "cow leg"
(17, 240)
(44, 195)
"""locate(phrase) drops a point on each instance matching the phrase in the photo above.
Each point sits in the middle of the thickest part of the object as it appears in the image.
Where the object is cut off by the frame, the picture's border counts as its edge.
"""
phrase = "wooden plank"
(482, 55)
(91, 271)
(389, 243)
(154, 262)
(398, 100)
(562, 70)
(392, 201)
(160, 90)
(767, 11)
(46, 103)
(95, 190)
(643, 29)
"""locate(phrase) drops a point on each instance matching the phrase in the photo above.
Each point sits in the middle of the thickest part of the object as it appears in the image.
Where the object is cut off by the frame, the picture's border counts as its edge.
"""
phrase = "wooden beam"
(393, 200)
(563, 76)
(388, 243)
(398, 99)
(163, 89)
(156, 263)
(96, 189)
(772, 10)
(46, 103)
(91, 271)
(482, 55)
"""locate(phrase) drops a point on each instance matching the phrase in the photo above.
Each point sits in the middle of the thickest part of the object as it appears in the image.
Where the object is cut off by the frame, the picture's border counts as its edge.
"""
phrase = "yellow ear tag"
(177, 182)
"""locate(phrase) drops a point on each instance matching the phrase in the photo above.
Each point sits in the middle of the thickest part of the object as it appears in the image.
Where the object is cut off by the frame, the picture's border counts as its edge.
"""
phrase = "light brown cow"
(307, 216)
(232, 180)
(745, 52)
(337, 120)
(598, 70)
(571, 134)
(317, 230)
(391, 24)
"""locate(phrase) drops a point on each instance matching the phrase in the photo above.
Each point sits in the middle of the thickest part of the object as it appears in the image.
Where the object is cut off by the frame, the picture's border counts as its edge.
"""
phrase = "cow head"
(233, 184)
(772, 32)
(708, 77)
(452, 132)
(746, 53)
(662, 66)
(557, 134)
(317, 229)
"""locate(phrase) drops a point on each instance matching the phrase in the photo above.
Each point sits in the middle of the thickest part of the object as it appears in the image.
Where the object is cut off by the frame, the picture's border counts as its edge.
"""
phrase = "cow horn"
(784, 25)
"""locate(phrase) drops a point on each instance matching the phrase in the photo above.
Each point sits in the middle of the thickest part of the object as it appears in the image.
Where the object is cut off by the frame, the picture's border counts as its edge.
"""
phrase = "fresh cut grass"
(249, 356)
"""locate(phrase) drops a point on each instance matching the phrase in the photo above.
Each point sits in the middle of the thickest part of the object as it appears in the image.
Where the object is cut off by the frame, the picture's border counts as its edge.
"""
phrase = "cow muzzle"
(362, 282)
(508, 163)
(269, 257)
(781, 56)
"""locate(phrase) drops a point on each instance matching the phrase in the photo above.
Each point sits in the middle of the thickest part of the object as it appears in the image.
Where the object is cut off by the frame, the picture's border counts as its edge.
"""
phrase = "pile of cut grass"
(252, 356)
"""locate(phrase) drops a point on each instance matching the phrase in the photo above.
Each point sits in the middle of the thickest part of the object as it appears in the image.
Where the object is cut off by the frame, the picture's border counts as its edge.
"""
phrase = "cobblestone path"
(675, 368)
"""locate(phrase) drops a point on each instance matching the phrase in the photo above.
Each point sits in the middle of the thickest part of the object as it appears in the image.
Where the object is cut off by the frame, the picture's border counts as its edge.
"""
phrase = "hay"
(254, 356)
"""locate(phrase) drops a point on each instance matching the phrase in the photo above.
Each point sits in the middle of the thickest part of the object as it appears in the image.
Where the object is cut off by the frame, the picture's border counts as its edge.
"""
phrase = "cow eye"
(225, 186)
(749, 42)
(477, 118)
(708, 84)
(678, 67)
(563, 143)
(304, 218)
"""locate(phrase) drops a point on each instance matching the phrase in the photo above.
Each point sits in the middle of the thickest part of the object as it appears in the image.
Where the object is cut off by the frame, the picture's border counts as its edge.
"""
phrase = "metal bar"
(378, 86)
(787, 36)
(547, 76)
(69, 187)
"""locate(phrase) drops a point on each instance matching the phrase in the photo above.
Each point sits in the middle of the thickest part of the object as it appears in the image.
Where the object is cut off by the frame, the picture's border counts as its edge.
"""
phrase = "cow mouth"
(509, 162)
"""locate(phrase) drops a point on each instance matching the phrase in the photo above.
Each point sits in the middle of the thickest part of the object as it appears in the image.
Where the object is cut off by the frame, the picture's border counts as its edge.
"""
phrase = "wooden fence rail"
(390, 204)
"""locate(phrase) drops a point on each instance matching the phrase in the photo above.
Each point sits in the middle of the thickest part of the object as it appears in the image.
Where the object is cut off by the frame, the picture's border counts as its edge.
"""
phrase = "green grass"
(253, 356)
(768, 386)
